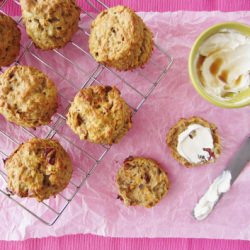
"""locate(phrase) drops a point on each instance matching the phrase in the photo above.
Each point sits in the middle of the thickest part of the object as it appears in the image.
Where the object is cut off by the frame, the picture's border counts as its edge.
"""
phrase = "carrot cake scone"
(27, 96)
(100, 115)
(10, 37)
(194, 142)
(50, 23)
(142, 182)
(120, 39)
(39, 168)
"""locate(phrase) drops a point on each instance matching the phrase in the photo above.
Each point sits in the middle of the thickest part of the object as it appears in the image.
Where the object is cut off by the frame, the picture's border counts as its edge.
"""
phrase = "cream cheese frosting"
(207, 202)
(195, 144)
(223, 64)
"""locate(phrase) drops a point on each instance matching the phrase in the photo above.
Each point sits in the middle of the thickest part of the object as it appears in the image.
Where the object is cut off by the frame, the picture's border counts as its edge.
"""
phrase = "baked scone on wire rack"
(194, 141)
(50, 23)
(10, 37)
(141, 182)
(27, 96)
(42, 40)
(120, 39)
(100, 115)
(38, 168)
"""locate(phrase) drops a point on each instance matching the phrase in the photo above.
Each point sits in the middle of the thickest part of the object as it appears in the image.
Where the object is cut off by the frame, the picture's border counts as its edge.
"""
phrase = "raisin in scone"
(27, 96)
(39, 168)
(100, 115)
(194, 142)
(120, 39)
(142, 182)
(50, 23)
(10, 37)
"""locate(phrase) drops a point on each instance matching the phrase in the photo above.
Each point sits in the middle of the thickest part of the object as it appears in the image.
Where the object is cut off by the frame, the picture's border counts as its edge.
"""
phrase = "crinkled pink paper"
(95, 208)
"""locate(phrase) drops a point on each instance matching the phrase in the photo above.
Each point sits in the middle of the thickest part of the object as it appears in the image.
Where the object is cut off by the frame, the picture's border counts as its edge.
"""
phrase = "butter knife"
(223, 182)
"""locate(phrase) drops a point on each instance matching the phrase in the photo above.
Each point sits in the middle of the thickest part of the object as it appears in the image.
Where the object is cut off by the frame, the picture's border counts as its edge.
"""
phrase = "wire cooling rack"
(75, 56)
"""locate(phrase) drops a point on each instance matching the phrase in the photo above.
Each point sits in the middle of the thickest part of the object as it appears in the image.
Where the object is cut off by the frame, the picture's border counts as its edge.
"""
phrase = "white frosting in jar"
(207, 202)
(195, 144)
(223, 64)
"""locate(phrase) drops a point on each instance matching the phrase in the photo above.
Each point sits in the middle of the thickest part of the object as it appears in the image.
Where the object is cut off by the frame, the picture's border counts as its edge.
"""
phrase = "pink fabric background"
(95, 242)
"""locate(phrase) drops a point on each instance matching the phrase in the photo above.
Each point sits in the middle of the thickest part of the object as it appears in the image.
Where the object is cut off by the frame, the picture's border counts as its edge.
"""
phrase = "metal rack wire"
(90, 155)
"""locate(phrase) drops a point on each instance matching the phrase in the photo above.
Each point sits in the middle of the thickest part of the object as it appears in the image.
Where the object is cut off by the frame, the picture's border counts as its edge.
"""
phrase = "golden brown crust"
(141, 181)
(147, 47)
(38, 168)
(10, 37)
(179, 127)
(120, 39)
(100, 115)
(23, 91)
(50, 23)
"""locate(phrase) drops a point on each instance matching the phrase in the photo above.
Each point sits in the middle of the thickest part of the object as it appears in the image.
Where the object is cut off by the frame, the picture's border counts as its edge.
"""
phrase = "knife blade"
(223, 182)
(239, 160)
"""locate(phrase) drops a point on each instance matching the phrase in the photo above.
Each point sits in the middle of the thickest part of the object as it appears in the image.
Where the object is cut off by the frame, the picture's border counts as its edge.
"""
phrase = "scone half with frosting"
(194, 142)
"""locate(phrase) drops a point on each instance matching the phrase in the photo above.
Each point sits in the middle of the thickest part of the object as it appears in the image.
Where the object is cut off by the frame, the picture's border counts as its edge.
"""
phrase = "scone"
(100, 115)
(10, 37)
(141, 181)
(27, 96)
(39, 168)
(120, 39)
(194, 142)
(50, 23)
